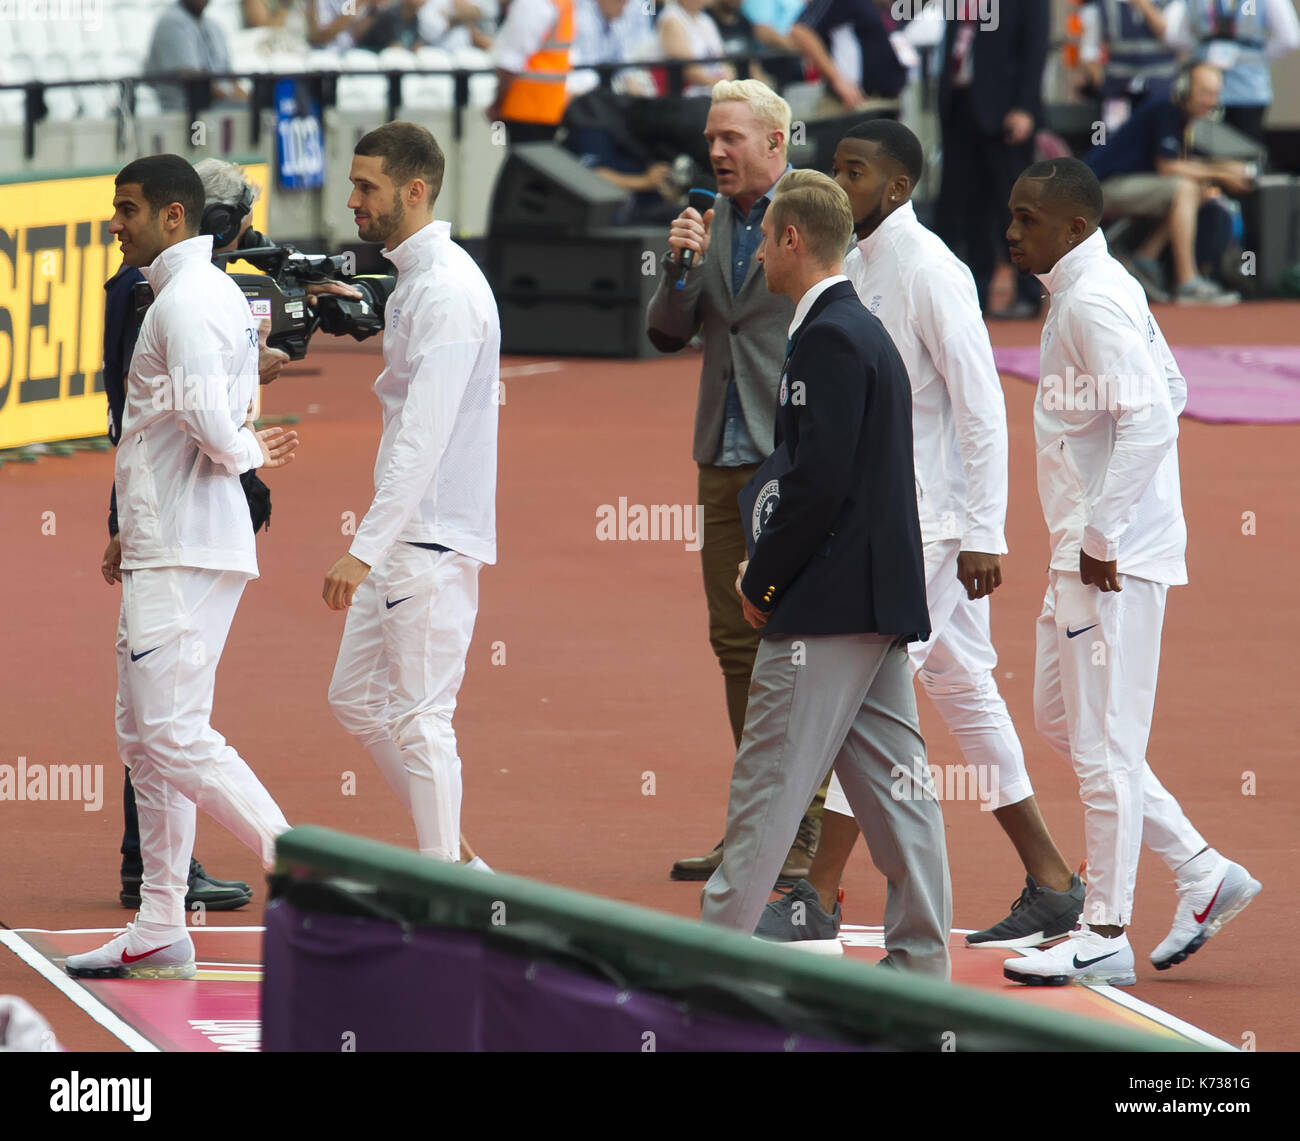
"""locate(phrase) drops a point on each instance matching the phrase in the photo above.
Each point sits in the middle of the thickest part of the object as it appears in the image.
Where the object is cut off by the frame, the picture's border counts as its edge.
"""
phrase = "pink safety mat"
(1226, 384)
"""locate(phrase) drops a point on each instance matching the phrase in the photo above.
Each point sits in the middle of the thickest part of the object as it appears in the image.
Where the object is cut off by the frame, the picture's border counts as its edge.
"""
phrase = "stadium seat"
(431, 58)
(482, 90)
(322, 59)
(472, 59)
(358, 59)
(397, 59)
(428, 92)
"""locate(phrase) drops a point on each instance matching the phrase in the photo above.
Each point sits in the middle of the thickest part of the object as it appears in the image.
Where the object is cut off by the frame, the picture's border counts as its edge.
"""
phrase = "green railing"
(663, 953)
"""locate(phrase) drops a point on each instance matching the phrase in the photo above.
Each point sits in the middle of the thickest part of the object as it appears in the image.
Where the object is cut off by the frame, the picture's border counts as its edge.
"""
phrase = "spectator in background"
(453, 24)
(772, 21)
(531, 52)
(738, 36)
(687, 31)
(650, 185)
(1124, 52)
(1145, 171)
(185, 44)
(265, 13)
(612, 31)
(990, 101)
(340, 24)
(398, 24)
(853, 65)
(1239, 37)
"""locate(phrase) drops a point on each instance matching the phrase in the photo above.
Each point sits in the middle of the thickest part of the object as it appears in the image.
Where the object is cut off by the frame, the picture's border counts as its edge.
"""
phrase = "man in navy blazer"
(836, 583)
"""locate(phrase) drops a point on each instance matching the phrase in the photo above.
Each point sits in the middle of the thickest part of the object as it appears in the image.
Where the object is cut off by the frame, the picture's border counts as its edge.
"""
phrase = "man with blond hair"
(720, 295)
(836, 584)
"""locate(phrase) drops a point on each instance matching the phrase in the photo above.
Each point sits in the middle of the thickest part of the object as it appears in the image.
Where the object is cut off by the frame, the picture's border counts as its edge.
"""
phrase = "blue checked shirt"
(737, 446)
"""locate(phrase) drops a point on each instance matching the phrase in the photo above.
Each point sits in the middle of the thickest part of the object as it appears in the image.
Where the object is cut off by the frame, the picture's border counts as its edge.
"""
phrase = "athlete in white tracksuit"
(430, 527)
(187, 553)
(1106, 429)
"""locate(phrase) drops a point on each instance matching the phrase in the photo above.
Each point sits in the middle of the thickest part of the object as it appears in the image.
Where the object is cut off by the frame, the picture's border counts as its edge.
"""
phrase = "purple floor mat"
(1226, 384)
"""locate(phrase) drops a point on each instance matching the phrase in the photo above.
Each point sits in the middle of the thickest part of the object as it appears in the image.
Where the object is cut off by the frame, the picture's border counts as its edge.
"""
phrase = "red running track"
(608, 676)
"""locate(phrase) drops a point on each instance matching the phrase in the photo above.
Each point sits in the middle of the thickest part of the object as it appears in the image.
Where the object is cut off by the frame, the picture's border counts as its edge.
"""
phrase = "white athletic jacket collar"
(901, 217)
(1075, 264)
(421, 248)
(168, 263)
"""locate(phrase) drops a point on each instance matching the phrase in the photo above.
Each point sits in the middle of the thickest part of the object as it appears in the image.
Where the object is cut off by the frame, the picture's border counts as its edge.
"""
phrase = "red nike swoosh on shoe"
(1201, 918)
(136, 958)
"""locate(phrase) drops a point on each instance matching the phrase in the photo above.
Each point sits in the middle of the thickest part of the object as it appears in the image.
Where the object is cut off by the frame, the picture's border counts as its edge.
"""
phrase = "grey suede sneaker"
(1039, 916)
(798, 920)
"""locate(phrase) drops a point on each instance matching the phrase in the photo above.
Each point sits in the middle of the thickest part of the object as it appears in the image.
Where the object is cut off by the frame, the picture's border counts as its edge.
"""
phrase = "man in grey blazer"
(723, 296)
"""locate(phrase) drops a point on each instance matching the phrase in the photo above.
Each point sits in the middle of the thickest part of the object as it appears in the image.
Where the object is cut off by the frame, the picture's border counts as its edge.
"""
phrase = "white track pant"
(170, 635)
(1094, 695)
(956, 669)
(398, 672)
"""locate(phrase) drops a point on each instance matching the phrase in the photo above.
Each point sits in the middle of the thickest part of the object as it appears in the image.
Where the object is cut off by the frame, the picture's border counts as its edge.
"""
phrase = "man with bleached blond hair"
(720, 295)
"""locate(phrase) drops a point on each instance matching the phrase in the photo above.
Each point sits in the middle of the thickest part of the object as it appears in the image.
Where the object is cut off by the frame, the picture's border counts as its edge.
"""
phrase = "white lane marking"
(77, 993)
(1163, 1018)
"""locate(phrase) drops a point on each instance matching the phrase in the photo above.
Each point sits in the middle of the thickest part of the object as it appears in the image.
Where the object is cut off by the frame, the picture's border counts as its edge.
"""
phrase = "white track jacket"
(183, 444)
(925, 297)
(1106, 422)
(436, 472)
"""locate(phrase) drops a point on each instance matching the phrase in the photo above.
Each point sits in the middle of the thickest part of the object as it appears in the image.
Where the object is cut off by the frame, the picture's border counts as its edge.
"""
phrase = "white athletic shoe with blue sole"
(1085, 958)
(1205, 904)
(129, 956)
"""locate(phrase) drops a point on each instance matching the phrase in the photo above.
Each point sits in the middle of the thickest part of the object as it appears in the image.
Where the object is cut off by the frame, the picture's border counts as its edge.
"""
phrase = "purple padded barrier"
(1226, 384)
(330, 976)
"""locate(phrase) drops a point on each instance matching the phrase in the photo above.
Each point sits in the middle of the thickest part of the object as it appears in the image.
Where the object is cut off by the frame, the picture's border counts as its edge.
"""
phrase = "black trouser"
(517, 132)
(131, 862)
(978, 172)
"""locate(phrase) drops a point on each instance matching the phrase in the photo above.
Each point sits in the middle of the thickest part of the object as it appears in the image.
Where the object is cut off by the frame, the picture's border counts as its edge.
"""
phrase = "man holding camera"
(186, 553)
(410, 578)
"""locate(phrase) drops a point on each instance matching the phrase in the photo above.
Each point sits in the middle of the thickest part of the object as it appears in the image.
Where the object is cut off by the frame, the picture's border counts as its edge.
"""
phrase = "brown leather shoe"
(799, 862)
(697, 867)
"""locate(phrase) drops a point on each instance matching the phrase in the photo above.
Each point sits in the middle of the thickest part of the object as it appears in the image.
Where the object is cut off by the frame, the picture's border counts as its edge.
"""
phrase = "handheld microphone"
(701, 200)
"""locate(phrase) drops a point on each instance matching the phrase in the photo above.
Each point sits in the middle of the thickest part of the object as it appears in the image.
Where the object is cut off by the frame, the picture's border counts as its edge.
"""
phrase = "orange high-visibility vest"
(538, 95)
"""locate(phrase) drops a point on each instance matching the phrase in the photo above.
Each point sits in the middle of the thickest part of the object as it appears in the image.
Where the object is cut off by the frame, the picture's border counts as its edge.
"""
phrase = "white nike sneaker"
(1085, 957)
(1205, 904)
(130, 956)
(479, 864)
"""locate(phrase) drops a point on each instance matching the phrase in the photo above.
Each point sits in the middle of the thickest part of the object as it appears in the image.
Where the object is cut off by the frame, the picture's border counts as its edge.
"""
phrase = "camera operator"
(228, 199)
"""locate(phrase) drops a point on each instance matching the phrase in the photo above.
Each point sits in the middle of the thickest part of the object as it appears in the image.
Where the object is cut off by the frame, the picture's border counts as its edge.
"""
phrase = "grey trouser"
(846, 701)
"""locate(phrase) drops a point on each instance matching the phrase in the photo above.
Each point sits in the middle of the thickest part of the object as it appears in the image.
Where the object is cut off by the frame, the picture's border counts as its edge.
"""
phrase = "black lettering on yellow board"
(40, 239)
(54, 258)
(8, 255)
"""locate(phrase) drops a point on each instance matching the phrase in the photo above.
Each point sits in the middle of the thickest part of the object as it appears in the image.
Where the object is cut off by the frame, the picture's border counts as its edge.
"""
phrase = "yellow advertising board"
(55, 255)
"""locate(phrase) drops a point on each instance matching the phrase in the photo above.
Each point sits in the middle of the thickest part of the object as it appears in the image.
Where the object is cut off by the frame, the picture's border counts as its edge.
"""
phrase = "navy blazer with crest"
(841, 551)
